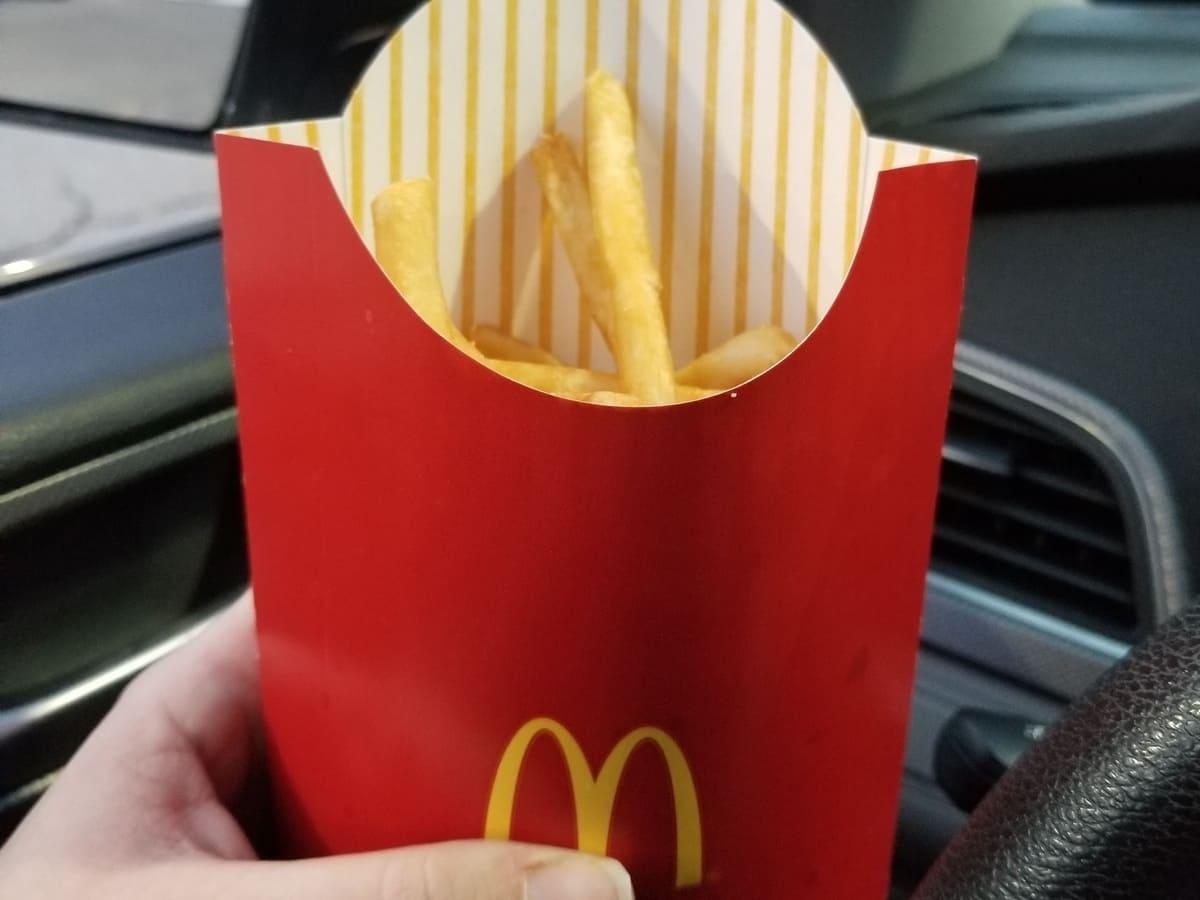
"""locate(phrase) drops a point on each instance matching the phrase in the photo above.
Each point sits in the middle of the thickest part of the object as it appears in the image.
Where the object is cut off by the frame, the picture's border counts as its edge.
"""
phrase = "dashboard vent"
(1026, 514)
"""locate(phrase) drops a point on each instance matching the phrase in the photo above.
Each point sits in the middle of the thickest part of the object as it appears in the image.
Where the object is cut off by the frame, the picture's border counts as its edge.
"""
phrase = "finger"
(154, 777)
(207, 696)
(463, 870)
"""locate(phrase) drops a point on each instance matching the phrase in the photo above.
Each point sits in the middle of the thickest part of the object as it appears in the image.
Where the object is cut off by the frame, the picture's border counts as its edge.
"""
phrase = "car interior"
(1068, 518)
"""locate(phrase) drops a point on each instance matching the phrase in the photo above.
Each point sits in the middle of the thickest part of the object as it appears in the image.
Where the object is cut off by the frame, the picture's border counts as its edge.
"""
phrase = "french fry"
(564, 185)
(737, 360)
(610, 398)
(495, 344)
(406, 247)
(685, 392)
(601, 219)
(615, 186)
(557, 379)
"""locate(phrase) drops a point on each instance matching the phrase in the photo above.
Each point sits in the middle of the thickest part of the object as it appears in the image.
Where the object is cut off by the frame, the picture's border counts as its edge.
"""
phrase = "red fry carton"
(681, 635)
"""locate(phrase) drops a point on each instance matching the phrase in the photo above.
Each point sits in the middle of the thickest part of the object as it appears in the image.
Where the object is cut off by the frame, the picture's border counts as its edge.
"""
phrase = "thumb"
(461, 870)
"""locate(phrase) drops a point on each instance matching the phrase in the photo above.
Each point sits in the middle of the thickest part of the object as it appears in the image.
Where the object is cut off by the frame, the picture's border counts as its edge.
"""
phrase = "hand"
(147, 809)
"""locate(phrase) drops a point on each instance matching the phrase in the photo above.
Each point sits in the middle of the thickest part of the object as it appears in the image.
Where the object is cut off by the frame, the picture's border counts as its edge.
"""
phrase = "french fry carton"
(681, 635)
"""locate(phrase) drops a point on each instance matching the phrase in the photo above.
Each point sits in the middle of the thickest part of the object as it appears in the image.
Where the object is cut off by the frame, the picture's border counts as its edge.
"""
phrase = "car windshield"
(160, 62)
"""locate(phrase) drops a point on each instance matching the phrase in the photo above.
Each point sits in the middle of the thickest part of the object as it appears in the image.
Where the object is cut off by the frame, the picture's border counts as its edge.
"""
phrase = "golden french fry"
(615, 186)
(737, 360)
(564, 186)
(610, 398)
(496, 344)
(406, 247)
(685, 392)
(557, 379)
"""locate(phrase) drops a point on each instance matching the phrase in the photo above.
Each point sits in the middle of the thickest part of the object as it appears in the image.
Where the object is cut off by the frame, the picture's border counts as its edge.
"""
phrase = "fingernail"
(579, 878)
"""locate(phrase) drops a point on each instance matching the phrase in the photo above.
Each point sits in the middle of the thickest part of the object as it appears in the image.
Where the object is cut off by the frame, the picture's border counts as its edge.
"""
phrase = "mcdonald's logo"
(594, 796)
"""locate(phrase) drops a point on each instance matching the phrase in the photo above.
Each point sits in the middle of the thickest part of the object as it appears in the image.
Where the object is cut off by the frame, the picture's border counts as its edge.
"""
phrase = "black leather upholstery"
(1108, 805)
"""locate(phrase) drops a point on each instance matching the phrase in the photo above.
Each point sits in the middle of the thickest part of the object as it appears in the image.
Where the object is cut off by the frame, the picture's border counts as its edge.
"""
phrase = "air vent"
(1027, 515)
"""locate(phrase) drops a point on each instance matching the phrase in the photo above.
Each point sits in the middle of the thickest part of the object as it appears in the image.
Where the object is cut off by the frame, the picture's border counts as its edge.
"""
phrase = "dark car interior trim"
(1014, 640)
(1118, 447)
(22, 723)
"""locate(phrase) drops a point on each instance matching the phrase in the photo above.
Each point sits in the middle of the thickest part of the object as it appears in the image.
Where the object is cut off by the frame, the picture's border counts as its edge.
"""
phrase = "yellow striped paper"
(758, 172)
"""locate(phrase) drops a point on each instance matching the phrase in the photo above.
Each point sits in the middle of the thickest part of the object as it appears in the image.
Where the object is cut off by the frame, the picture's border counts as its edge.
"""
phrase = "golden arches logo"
(595, 796)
